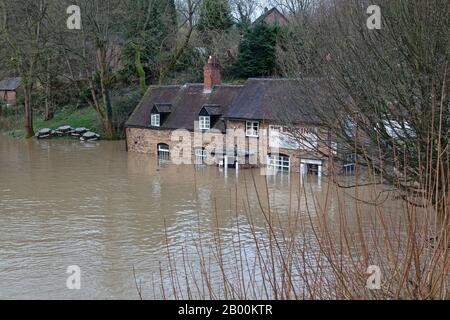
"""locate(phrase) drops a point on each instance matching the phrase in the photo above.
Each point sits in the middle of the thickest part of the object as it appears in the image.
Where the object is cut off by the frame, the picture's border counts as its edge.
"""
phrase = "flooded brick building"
(278, 130)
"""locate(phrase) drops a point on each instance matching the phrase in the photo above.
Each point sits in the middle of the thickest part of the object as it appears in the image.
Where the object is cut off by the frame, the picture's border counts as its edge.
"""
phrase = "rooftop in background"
(273, 16)
(9, 84)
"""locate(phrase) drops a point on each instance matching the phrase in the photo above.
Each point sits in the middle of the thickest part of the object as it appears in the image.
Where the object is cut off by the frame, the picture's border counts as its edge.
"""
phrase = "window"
(204, 123)
(156, 120)
(252, 129)
(279, 162)
(350, 164)
(349, 169)
(163, 151)
(311, 167)
(200, 156)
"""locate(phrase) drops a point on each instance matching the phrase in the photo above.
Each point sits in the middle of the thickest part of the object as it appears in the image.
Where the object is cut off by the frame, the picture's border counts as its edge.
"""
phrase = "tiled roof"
(276, 100)
(272, 100)
(9, 84)
(186, 103)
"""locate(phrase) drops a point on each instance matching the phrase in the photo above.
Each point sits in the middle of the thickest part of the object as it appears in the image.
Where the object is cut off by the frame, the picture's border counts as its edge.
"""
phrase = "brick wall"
(147, 140)
(8, 96)
(295, 155)
(275, 18)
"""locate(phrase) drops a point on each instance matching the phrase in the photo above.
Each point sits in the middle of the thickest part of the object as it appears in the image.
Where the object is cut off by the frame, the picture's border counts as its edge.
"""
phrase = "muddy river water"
(65, 203)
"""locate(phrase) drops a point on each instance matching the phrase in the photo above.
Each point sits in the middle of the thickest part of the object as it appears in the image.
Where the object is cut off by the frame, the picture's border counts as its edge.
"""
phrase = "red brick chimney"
(212, 75)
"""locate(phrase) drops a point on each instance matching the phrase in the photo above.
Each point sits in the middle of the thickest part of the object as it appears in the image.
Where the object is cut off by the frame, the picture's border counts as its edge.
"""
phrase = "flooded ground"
(65, 203)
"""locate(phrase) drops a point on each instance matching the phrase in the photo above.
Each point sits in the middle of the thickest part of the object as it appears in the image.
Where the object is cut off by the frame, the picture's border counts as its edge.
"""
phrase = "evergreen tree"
(151, 29)
(215, 17)
(257, 54)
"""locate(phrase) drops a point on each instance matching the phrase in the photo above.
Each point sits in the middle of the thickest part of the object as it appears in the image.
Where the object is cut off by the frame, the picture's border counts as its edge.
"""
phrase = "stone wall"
(147, 140)
(8, 96)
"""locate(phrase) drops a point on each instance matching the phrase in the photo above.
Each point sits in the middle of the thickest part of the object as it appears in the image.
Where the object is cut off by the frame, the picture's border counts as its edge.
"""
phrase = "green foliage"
(85, 117)
(215, 18)
(150, 34)
(124, 105)
(257, 54)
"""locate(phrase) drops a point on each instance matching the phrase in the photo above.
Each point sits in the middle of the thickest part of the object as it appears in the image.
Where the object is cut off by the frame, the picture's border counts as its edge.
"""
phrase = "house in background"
(273, 17)
(263, 109)
(9, 88)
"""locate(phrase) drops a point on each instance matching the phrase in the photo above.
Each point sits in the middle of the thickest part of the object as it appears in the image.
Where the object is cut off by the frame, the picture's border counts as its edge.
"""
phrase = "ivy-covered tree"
(151, 34)
(215, 18)
(257, 53)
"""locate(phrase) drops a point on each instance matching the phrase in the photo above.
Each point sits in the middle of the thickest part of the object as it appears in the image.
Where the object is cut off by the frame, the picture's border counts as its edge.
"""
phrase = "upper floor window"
(252, 129)
(156, 120)
(204, 123)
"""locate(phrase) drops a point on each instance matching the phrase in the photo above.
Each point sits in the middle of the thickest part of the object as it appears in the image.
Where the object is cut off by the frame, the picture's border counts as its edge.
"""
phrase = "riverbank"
(11, 122)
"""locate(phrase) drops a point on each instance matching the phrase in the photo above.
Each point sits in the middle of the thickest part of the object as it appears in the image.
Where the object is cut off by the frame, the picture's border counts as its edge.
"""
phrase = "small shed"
(8, 90)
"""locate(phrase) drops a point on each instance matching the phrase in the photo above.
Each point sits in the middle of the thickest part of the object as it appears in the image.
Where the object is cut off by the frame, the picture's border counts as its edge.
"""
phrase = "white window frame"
(204, 122)
(200, 156)
(304, 166)
(252, 129)
(156, 120)
(163, 152)
(279, 162)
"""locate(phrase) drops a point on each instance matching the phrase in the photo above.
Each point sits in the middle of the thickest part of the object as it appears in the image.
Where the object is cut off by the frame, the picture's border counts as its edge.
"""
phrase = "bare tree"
(97, 49)
(24, 29)
(294, 7)
(384, 93)
(244, 11)
(187, 10)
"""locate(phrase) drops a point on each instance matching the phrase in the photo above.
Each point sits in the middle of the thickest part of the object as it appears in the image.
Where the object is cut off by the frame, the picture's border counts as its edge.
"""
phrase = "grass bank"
(11, 122)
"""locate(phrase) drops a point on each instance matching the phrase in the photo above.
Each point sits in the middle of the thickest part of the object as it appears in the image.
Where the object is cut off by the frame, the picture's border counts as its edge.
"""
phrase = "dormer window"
(160, 112)
(209, 115)
(156, 120)
(204, 122)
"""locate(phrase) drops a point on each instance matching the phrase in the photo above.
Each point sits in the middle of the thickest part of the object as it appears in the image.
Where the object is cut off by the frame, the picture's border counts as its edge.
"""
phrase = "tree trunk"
(49, 113)
(29, 131)
(141, 72)
(48, 96)
(109, 128)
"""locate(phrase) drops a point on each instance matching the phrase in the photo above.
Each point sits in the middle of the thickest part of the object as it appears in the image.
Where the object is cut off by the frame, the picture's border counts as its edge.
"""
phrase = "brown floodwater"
(94, 205)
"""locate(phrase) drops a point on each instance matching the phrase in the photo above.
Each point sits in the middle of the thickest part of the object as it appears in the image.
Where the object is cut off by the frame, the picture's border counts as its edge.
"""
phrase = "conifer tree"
(215, 18)
(257, 54)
